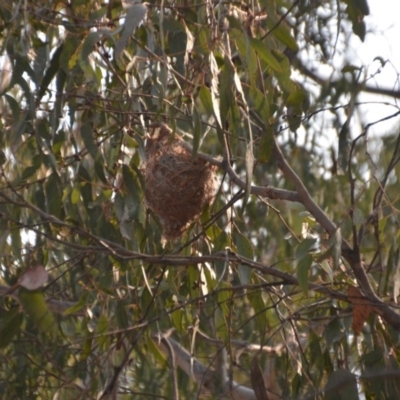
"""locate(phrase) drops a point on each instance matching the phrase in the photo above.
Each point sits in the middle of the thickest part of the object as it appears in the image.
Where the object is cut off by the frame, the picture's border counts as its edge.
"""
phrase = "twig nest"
(178, 185)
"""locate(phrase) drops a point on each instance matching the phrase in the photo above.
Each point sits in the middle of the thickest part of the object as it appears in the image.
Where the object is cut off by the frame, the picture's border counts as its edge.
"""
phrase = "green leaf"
(284, 77)
(356, 11)
(327, 268)
(197, 131)
(89, 44)
(85, 185)
(304, 247)
(88, 139)
(76, 308)
(341, 385)
(53, 193)
(391, 264)
(344, 149)
(221, 325)
(177, 320)
(134, 16)
(302, 271)
(224, 297)
(265, 54)
(266, 145)
(222, 241)
(350, 68)
(131, 182)
(75, 195)
(282, 33)
(12, 103)
(211, 279)
(29, 171)
(10, 325)
(226, 82)
(245, 249)
(121, 315)
(41, 58)
(154, 350)
(243, 245)
(69, 55)
(3, 237)
(257, 302)
(295, 98)
(337, 247)
(101, 331)
(296, 384)
(36, 307)
(248, 55)
(259, 103)
(205, 98)
(361, 5)
(215, 88)
(50, 73)
(18, 118)
(334, 332)
(316, 356)
(21, 66)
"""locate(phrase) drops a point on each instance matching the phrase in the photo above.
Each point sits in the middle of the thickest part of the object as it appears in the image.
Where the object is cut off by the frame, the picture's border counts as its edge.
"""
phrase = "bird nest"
(177, 185)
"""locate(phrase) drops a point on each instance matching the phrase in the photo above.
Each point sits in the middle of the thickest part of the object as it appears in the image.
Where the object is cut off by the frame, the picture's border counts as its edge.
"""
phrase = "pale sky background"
(383, 35)
(382, 40)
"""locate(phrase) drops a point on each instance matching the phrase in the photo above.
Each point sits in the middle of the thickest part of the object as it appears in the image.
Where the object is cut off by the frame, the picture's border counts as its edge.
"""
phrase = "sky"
(382, 40)
(383, 35)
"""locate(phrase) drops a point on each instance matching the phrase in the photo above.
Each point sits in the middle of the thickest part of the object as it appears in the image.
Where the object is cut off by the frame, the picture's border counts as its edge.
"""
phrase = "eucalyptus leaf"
(302, 272)
(134, 16)
(51, 72)
(265, 54)
(341, 385)
(35, 306)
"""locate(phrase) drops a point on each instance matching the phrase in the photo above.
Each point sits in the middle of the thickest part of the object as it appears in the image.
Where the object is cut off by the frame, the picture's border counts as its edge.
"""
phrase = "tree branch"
(206, 378)
(395, 94)
(304, 195)
(351, 256)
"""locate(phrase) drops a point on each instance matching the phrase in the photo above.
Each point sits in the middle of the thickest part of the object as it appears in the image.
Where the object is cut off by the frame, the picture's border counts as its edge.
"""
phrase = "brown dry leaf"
(361, 308)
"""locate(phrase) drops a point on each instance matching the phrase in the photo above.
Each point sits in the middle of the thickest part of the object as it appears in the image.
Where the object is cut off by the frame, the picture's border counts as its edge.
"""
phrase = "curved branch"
(304, 195)
(206, 378)
(395, 94)
(351, 256)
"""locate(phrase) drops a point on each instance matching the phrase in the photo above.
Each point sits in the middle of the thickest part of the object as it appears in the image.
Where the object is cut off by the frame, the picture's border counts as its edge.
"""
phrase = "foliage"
(261, 281)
